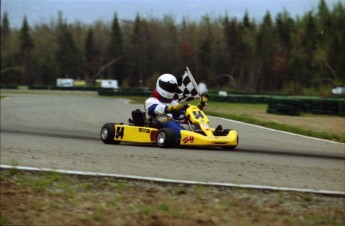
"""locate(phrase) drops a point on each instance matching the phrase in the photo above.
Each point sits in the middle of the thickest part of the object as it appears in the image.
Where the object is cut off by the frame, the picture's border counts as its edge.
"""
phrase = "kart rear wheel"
(108, 133)
(166, 138)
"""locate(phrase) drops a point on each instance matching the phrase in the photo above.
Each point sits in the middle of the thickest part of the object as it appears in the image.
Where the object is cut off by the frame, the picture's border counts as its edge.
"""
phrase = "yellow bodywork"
(138, 134)
(128, 133)
(190, 138)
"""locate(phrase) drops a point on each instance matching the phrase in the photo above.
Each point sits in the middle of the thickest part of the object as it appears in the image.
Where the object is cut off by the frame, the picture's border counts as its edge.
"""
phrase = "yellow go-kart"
(145, 131)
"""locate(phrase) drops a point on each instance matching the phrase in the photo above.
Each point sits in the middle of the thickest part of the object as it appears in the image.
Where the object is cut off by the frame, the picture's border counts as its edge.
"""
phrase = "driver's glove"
(203, 101)
(174, 108)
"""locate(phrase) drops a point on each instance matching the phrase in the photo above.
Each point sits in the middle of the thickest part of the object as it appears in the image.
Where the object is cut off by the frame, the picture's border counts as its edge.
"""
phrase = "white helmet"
(167, 86)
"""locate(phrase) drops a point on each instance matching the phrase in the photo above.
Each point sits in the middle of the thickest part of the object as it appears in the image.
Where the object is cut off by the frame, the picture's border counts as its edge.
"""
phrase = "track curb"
(173, 181)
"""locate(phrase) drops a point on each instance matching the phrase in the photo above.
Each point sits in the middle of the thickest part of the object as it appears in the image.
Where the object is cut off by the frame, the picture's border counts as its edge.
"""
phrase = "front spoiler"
(189, 138)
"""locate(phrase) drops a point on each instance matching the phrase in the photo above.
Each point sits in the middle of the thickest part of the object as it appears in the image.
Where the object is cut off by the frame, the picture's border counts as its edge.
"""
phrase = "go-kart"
(146, 131)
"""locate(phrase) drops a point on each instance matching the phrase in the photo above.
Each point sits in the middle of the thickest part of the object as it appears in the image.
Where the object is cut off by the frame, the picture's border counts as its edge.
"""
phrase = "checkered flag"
(188, 89)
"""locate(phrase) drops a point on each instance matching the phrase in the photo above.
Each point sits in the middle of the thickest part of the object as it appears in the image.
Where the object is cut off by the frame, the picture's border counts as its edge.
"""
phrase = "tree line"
(275, 54)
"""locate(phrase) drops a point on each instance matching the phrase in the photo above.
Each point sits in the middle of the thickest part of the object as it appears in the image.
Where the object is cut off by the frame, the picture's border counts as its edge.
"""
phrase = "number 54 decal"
(120, 132)
(198, 114)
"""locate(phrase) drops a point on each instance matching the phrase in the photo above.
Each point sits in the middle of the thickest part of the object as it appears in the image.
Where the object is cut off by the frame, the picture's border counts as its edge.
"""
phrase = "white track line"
(162, 180)
(275, 130)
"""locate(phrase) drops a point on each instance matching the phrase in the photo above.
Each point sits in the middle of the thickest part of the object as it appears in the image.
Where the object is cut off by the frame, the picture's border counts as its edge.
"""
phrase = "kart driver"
(162, 105)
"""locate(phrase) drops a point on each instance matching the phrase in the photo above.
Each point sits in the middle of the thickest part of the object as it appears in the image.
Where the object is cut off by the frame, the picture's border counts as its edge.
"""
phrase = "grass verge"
(278, 126)
(49, 198)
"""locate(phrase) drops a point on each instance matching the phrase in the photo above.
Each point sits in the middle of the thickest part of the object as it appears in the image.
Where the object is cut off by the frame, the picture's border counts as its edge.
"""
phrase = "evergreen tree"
(5, 26)
(115, 50)
(245, 53)
(325, 18)
(8, 64)
(91, 55)
(26, 46)
(265, 45)
(138, 57)
(205, 66)
(26, 42)
(187, 52)
(66, 53)
(246, 21)
(231, 40)
(311, 34)
(321, 56)
(5, 36)
(261, 56)
(335, 41)
(285, 28)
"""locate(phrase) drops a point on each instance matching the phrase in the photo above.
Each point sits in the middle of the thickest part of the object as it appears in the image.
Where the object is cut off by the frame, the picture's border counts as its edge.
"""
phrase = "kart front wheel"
(166, 138)
(108, 133)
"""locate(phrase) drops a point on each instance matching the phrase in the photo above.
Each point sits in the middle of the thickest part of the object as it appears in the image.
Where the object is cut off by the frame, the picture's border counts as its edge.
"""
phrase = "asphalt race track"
(61, 131)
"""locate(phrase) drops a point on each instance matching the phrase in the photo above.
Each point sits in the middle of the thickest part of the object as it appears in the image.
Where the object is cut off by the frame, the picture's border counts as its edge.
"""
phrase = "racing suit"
(156, 108)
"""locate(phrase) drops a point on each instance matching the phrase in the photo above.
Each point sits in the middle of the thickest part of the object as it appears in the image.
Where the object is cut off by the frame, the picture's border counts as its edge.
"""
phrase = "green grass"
(152, 209)
(3, 220)
(112, 201)
(43, 183)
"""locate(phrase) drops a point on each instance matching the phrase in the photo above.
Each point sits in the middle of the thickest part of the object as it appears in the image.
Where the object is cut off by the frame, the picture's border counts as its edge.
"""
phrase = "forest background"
(299, 55)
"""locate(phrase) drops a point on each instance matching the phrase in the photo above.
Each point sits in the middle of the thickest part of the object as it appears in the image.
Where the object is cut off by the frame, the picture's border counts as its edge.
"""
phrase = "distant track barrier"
(284, 106)
(277, 104)
(125, 92)
(239, 98)
(8, 86)
(299, 105)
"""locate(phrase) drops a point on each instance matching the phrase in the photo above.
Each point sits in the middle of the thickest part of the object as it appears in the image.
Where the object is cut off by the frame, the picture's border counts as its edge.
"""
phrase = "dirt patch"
(55, 199)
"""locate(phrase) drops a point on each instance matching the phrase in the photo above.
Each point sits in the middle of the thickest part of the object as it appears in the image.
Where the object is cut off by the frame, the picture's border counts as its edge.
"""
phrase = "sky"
(89, 11)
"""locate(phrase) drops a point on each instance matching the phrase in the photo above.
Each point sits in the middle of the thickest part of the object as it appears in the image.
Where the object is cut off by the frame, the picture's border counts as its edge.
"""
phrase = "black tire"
(232, 147)
(166, 138)
(108, 133)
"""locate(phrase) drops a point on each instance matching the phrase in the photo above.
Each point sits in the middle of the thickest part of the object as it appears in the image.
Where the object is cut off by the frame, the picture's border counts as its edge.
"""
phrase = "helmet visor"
(168, 87)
